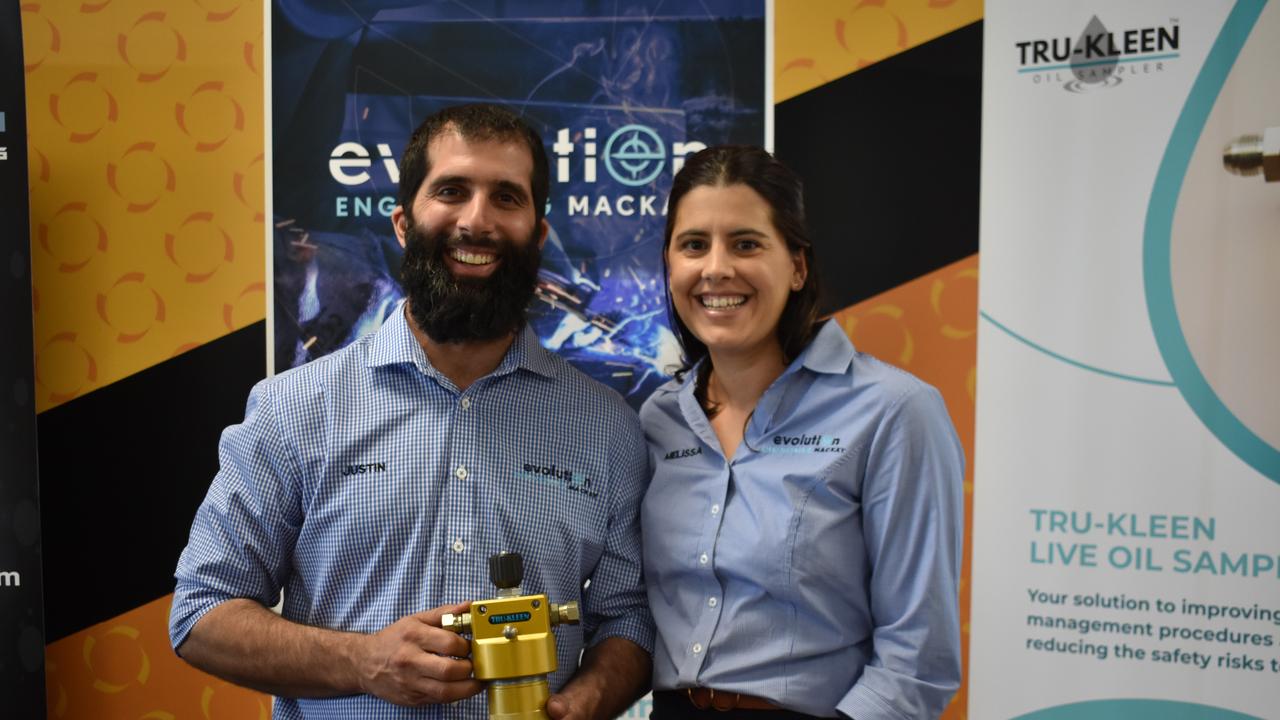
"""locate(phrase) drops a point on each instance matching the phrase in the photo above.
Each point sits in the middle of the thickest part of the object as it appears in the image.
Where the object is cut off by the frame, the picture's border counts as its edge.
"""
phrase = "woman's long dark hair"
(782, 189)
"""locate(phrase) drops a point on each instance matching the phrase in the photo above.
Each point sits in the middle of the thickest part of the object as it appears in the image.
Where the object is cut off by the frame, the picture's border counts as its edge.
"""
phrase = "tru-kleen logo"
(1099, 57)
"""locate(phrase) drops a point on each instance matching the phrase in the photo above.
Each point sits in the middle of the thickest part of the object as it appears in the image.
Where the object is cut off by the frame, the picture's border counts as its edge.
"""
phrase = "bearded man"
(371, 486)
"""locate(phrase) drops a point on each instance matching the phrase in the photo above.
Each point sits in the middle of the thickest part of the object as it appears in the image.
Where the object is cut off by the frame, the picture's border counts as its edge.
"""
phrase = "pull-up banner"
(21, 612)
(1127, 548)
(621, 94)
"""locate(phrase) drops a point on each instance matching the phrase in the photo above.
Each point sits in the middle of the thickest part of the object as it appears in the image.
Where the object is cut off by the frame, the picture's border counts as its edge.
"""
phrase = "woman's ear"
(801, 270)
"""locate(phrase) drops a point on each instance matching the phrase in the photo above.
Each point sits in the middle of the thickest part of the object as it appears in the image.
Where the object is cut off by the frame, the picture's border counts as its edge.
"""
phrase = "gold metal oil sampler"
(511, 641)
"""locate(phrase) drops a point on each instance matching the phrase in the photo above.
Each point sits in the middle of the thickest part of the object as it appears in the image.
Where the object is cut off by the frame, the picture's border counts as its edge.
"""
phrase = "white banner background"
(1106, 476)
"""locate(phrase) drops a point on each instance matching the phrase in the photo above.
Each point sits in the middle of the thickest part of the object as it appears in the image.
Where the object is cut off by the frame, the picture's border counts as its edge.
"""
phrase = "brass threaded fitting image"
(565, 614)
(1254, 155)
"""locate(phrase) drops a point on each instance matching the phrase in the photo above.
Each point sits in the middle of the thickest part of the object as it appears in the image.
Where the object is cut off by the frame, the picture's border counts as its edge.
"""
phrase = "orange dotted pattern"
(124, 668)
(146, 174)
(929, 327)
(817, 41)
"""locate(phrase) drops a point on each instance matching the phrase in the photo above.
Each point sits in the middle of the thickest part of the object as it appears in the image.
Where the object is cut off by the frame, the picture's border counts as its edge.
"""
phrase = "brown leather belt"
(708, 699)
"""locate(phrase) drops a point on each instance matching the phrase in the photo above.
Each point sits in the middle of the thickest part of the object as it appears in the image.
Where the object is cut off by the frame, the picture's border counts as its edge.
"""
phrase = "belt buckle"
(737, 698)
(712, 704)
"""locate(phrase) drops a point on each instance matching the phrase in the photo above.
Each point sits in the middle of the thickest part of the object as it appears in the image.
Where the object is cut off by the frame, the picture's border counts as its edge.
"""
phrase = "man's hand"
(414, 661)
(572, 706)
(612, 675)
(410, 662)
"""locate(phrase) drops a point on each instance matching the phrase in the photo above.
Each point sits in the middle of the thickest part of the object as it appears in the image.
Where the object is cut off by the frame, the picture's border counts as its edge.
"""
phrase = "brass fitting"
(1254, 155)
(565, 614)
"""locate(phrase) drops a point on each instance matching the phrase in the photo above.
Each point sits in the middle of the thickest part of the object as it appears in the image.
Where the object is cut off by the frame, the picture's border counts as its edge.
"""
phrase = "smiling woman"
(795, 481)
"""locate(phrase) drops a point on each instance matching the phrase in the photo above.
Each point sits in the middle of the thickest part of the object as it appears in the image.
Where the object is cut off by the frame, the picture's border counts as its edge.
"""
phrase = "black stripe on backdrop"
(21, 634)
(890, 159)
(123, 469)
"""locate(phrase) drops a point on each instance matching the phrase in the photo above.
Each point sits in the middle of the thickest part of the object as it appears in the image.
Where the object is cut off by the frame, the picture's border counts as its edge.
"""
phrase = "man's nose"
(477, 216)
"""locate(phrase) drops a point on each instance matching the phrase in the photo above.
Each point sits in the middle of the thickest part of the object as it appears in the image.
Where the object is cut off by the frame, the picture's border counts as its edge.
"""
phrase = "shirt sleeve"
(913, 517)
(615, 604)
(243, 534)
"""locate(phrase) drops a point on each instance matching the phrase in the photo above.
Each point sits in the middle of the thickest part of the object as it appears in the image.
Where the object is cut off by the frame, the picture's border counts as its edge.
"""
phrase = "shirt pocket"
(826, 566)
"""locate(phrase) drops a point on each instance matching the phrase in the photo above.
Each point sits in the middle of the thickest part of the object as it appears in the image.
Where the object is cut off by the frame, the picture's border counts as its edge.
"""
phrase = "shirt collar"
(829, 352)
(395, 344)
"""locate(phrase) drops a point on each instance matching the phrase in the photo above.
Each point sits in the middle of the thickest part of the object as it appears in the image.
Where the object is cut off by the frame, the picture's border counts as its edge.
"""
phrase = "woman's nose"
(719, 263)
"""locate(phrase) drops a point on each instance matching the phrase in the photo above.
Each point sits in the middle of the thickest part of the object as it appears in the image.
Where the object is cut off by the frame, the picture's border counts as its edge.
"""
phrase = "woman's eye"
(693, 245)
(746, 245)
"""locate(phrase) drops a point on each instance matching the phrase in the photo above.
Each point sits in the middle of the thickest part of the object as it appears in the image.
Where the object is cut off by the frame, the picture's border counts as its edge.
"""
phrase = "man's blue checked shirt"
(367, 487)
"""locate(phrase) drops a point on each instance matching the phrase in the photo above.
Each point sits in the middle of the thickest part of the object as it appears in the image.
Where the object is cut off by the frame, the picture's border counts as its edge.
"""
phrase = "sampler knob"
(506, 570)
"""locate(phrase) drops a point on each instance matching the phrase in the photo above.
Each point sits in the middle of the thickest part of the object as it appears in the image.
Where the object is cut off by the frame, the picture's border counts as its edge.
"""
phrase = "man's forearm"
(613, 675)
(249, 645)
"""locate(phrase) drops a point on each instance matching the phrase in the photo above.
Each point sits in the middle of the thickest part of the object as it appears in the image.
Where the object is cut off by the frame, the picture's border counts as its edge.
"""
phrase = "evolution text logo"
(634, 156)
(562, 477)
(1099, 57)
(803, 445)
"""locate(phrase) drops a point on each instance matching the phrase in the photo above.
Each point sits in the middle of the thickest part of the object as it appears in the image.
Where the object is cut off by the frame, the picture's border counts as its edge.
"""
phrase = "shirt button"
(702, 559)
(697, 648)
(711, 602)
(466, 403)
(460, 473)
(458, 546)
(715, 509)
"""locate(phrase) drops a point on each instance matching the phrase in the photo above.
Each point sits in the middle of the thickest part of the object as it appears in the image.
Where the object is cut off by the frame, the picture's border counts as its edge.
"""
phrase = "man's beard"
(450, 309)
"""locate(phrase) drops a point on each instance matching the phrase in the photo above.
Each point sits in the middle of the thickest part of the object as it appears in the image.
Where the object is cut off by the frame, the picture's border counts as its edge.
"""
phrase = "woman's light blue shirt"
(819, 567)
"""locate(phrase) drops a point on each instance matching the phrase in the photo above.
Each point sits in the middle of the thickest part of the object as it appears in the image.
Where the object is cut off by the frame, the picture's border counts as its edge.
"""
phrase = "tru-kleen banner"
(1127, 541)
(621, 93)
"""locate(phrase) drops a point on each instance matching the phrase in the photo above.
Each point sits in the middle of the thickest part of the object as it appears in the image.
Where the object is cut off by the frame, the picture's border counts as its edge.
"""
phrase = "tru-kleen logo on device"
(1098, 57)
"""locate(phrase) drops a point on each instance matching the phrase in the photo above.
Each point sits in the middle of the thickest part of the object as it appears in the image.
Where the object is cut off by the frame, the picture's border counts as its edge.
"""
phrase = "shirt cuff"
(638, 630)
(863, 703)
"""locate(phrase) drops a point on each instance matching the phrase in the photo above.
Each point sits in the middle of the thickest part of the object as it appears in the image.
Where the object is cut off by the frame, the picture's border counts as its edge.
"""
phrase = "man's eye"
(448, 192)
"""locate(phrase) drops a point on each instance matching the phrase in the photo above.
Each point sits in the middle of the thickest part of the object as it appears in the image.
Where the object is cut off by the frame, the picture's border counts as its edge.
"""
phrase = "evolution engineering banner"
(1127, 541)
(621, 93)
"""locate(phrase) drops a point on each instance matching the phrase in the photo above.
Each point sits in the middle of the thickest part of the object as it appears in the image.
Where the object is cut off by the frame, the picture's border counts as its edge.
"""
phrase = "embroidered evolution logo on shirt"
(365, 468)
(568, 479)
(803, 444)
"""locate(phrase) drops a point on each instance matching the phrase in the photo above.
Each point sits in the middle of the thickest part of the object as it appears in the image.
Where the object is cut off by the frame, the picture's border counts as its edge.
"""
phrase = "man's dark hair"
(783, 191)
(479, 122)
